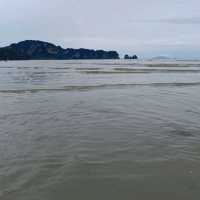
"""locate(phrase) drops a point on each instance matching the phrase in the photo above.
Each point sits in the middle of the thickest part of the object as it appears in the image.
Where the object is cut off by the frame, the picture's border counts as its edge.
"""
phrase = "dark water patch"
(176, 129)
(193, 112)
(184, 133)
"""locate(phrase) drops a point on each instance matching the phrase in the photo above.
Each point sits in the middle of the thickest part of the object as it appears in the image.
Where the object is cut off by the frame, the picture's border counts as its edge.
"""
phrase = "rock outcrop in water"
(38, 50)
(130, 57)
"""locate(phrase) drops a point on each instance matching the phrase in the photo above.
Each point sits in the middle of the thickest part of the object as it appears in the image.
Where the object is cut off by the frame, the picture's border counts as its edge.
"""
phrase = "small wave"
(171, 65)
(23, 67)
(6, 67)
(102, 86)
(115, 72)
(144, 70)
(59, 68)
(135, 71)
(53, 72)
(88, 68)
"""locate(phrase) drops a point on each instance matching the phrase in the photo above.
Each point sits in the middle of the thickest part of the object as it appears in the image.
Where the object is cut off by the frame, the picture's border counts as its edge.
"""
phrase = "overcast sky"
(144, 27)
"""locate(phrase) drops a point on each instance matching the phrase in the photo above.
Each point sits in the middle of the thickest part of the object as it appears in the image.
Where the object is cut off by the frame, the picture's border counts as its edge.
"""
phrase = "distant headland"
(39, 50)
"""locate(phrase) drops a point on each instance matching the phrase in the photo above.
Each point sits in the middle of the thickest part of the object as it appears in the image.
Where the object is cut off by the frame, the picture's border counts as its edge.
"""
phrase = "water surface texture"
(100, 130)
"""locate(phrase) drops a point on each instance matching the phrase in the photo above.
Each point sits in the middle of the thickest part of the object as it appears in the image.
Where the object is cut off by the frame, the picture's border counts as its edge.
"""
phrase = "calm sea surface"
(100, 130)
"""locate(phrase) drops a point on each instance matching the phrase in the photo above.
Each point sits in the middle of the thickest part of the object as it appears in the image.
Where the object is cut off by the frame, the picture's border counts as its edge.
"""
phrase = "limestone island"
(39, 50)
(130, 57)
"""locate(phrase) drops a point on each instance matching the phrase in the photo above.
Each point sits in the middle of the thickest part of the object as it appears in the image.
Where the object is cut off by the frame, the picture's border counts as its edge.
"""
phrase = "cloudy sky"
(145, 27)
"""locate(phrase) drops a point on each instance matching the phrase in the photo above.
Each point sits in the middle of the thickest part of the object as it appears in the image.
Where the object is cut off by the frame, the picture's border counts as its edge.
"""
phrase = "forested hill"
(39, 50)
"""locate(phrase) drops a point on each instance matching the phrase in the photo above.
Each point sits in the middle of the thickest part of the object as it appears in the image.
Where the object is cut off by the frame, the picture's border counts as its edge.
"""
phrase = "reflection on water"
(99, 130)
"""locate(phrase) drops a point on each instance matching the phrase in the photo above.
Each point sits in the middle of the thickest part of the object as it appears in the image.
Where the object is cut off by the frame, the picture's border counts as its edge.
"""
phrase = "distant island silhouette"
(39, 50)
(130, 57)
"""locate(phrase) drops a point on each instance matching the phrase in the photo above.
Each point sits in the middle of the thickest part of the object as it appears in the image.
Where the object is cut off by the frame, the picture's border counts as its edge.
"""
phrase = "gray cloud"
(180, 21)
(183, 21)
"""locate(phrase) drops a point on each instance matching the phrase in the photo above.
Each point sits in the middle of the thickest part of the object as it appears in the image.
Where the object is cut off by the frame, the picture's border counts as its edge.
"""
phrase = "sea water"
(98, 130)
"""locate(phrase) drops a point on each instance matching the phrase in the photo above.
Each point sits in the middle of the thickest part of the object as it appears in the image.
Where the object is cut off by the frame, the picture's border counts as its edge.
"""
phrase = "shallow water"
(100, 130)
